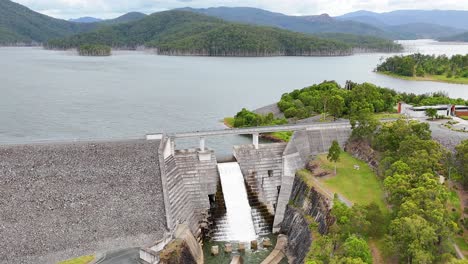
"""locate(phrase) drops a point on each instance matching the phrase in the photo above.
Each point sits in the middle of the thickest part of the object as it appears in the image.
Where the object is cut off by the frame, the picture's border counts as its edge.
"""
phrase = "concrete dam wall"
(69, 199)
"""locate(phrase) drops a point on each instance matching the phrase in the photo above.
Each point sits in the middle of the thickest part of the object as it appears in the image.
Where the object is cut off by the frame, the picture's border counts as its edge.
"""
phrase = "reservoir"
(58, 96)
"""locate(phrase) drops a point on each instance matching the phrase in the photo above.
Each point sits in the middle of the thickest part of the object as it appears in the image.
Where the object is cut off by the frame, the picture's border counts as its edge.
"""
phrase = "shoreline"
(430, 78)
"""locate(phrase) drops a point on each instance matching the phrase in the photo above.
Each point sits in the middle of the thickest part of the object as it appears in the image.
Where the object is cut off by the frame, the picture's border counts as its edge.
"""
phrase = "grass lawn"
(454, 206)
(359, 186)
(388, 115)
(284, 136)
(433, 78)
(80, 260)
(462, 243)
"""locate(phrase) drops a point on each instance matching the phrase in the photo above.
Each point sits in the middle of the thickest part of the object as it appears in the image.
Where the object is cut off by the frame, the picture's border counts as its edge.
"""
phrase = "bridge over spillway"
(256, 131)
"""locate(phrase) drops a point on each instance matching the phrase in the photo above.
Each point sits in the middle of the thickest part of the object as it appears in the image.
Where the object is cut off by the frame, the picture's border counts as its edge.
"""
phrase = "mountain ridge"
(179, 32)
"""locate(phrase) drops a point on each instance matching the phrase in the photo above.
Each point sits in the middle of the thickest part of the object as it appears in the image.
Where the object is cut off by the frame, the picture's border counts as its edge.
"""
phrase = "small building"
(442, 110)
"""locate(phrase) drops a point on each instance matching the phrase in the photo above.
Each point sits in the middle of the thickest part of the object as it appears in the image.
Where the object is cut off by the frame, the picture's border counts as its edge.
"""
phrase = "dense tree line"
(421, 65)
(410, 165)
(420, 226)
(362, 43)
(94, 50)
(430, 99)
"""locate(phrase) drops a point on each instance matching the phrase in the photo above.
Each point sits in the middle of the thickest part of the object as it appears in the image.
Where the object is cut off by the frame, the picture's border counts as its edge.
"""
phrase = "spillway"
(237, 224)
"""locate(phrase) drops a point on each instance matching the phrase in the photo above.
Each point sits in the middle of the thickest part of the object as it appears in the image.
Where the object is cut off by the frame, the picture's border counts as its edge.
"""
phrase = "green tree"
(336, 105)
(377, 220)
(431, 112)
(334, 153)
(356, 247)
(363, 122)
(413, 239)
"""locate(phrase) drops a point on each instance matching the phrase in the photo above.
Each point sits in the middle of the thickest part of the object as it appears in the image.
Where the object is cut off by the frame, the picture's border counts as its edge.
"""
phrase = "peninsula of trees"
(427, 67)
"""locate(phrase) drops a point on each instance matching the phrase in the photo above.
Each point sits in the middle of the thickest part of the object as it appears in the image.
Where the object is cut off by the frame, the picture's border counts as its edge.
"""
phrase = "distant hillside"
(188, 33)
(20, 24)
(129, 17)
(421, 31)
(460, 38)
(316, 25)
(85, 20)
(306, 24)
(447, 18)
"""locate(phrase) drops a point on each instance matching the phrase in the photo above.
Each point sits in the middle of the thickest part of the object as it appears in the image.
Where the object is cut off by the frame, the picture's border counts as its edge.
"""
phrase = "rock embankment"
(64, 200)
(306, 205)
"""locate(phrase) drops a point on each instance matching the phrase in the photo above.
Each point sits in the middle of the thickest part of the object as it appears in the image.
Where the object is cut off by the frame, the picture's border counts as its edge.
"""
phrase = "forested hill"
(20, 24)
(309, 24)
(186, 33)
(361, 36)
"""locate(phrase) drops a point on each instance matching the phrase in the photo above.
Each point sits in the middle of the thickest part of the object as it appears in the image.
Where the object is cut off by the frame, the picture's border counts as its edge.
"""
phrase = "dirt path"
(376, 255)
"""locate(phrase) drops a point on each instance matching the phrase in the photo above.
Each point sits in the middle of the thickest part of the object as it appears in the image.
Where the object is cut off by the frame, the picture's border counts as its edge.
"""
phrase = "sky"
(112, 8)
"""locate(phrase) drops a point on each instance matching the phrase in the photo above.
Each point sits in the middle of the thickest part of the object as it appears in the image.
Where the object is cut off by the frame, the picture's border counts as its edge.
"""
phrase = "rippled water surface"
(54, 95)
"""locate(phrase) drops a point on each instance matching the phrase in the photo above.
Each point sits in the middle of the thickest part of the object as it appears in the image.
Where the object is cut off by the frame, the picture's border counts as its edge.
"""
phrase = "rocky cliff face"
(363, 151)
(306, 205)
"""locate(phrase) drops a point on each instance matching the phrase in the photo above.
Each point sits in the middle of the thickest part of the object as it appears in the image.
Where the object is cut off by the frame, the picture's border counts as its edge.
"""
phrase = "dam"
(68, 199)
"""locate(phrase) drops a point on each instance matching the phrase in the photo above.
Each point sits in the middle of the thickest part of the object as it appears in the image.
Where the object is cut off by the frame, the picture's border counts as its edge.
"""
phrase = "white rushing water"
(240, 226)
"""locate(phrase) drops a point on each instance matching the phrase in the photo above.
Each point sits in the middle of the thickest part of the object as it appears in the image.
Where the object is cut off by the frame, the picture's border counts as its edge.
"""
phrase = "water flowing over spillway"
(237, 224)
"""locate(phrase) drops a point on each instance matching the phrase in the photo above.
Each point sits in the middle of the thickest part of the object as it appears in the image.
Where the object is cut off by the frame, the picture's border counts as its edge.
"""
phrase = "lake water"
(55, 95)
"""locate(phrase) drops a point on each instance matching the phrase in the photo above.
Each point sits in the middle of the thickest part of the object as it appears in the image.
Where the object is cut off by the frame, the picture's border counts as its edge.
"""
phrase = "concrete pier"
(255, 140)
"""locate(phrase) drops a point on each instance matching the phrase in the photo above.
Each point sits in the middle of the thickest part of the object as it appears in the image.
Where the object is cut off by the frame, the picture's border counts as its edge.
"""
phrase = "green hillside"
(188, 33)
(20, 24)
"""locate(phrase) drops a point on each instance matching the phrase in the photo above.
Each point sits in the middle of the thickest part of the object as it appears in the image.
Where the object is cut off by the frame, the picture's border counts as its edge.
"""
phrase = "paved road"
(122, 256)
(263, 129)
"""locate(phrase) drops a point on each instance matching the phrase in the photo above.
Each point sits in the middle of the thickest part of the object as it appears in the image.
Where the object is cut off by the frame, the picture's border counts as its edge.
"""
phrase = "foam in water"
(240, 226)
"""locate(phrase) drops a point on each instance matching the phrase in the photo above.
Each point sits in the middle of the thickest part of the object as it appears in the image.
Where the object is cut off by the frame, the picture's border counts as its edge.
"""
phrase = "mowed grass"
(80, 260)
(432, 78)
(388, 115)
(359, 186)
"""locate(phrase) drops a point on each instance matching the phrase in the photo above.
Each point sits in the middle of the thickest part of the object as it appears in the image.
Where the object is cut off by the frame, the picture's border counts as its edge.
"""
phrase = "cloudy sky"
(112, 8)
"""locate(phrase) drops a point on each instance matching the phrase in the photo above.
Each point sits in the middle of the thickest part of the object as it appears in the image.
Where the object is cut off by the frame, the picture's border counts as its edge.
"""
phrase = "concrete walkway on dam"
(263, 129)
